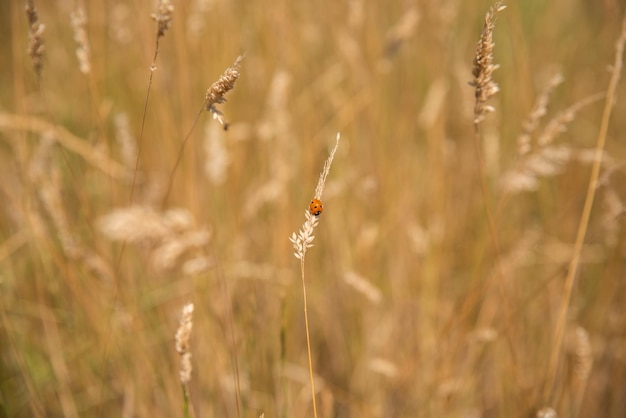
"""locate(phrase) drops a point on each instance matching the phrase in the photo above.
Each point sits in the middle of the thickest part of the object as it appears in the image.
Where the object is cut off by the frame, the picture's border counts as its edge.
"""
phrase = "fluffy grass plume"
(163, 17)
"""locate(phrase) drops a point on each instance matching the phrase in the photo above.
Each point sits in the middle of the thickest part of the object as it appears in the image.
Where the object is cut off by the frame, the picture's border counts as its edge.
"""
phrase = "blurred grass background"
(408, 318)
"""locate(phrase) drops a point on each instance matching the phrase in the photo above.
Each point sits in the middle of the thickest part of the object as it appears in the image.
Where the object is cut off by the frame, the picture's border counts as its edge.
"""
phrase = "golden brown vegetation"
(468, 262)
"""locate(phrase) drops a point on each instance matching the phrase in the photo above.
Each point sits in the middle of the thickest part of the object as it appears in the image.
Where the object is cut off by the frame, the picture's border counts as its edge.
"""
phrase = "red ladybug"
(316, 207)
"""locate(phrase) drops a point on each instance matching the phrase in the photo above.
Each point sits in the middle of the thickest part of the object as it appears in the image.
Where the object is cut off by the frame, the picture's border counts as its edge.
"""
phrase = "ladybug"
(316, 207)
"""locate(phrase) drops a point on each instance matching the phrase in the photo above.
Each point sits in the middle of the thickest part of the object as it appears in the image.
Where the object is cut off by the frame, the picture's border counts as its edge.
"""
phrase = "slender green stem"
(179, 157)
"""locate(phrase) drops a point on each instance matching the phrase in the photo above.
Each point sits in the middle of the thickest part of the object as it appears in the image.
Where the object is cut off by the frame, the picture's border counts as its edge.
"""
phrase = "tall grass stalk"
(302, 241)
(231, 326)
(568, 286)
(163, 18)
(484, 67)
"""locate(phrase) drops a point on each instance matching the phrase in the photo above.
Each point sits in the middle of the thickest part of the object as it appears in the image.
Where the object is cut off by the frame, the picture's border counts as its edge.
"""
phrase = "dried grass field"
(157, 157)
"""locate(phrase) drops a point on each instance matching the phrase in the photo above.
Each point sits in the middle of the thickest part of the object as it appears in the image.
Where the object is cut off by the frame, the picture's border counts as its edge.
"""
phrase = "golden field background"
(413, 313)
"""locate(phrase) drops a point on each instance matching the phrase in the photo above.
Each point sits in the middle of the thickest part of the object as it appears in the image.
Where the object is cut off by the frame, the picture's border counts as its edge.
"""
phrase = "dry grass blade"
(67, 140)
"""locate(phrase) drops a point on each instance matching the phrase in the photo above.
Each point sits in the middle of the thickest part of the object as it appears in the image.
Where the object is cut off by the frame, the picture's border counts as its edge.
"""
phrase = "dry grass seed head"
(319, 190)
(126, 140)
(401, 32)
(545, 159)
(141, 223)
(484, 66)
(163, 17)
(539, 110)
(183, 336)
(558, 124)
(79, 23)
(546, 412)
(36, 47)
(215, 94)
(304, 239)
(170, 234)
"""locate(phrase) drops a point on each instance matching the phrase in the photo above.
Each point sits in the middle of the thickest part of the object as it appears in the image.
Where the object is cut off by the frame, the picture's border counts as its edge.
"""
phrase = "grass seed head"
(36, 47)
(163, 17)
(484, 65)
(217, 92)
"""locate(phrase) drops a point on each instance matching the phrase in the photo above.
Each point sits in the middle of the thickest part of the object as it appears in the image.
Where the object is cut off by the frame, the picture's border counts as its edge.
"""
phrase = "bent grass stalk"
(302, 241)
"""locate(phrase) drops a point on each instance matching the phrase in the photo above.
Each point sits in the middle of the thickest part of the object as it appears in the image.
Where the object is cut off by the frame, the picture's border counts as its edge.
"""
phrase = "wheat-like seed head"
(303, 240)
(78, 20)
(183, 335)
(125, 139)
(215, 94)
(484, 66)
(36, 47)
